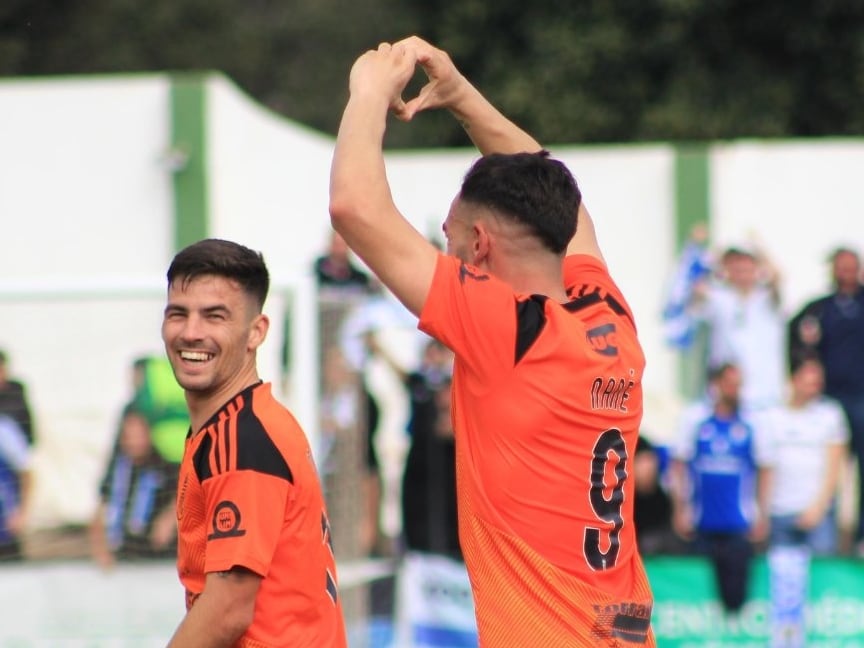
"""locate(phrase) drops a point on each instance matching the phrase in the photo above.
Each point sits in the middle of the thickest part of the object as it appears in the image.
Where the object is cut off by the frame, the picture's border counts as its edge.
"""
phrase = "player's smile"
(196, 356)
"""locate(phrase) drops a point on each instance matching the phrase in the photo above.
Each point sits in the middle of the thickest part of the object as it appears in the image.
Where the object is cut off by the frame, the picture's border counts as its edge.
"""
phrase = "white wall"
(82, 188)
(799, 199)
(269, 179)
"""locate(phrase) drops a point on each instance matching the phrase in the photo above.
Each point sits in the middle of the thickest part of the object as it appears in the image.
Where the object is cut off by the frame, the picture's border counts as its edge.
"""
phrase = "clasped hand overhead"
(386, 71)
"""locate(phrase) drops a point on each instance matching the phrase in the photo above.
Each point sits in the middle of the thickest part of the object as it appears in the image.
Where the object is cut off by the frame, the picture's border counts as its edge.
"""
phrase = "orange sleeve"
(246, 510)
(474, 314)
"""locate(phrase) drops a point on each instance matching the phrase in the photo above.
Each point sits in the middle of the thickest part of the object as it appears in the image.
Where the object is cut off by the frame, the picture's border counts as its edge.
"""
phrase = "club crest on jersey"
(226, 521)
(603, 339)
(739, 433)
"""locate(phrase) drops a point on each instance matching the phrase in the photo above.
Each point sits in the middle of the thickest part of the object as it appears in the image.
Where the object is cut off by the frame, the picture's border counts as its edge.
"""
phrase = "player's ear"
(258, 331)
(480, 244)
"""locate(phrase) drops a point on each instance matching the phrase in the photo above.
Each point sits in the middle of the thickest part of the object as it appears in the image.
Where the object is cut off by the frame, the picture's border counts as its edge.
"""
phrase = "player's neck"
(203, 405)
(534, 277)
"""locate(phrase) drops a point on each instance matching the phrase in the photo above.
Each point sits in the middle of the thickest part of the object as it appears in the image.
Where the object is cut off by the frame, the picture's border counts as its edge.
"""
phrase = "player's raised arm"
(584, 241)
(490, 130)
(361, 205)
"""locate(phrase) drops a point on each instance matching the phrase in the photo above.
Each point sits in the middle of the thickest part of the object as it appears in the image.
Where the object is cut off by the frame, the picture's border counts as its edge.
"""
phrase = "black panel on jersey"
(530, 320)
(201, 460)
(531, 315)
(586, 299)
(255, 449)
(583, 300)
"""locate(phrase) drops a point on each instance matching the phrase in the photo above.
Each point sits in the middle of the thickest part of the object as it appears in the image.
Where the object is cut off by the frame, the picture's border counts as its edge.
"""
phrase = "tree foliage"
(568, 70)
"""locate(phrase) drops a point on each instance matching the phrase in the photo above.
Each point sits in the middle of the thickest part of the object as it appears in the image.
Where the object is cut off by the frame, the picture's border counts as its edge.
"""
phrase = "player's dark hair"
(530, 188)
(223, 259)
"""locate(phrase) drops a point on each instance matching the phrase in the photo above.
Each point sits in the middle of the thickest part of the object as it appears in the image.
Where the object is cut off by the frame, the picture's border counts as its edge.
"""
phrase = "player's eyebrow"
(175, 308)
(218, 308)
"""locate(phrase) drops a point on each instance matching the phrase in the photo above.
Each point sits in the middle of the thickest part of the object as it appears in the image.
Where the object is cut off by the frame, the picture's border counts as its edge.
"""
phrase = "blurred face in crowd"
(646, 467)
(808, 382)
(727, 387)
(135, 440)
(338, 248)
(437, 355)
(741, 270)
(211, 329)
(846, 271)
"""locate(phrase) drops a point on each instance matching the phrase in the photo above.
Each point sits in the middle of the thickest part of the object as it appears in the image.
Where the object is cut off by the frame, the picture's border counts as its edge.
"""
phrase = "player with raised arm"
(547, 395)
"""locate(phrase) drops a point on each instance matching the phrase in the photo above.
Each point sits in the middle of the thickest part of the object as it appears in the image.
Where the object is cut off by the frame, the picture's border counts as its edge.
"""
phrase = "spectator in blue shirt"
(15, 486)
(721, 477)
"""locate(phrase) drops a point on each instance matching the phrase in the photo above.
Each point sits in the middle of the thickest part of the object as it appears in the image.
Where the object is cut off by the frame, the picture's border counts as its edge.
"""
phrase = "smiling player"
(254, 550)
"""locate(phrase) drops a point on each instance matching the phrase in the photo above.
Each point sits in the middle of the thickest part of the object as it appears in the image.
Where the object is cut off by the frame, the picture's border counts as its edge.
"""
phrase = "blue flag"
(679, 325)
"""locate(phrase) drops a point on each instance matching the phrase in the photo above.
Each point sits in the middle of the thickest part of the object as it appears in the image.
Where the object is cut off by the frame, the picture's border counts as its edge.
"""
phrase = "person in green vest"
(161, 400)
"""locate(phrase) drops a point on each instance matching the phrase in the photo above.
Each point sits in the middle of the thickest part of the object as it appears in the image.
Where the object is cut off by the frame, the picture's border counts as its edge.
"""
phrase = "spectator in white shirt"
(746, 325)
(811, 436)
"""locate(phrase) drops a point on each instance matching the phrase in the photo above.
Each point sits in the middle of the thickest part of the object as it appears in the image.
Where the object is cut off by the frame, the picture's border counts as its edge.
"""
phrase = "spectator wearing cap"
(741, 307)
(832, 326)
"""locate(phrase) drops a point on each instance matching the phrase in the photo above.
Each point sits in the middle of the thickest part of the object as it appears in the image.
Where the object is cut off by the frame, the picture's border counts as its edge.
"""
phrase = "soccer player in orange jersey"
(547, 385)
(254, 549)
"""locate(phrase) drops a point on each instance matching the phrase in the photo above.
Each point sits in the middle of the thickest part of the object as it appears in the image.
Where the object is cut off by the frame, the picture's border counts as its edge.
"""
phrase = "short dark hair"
(223, 259)
(716, 372)
(806, 356)
(530, 188)
(839, 251)
(737, 253)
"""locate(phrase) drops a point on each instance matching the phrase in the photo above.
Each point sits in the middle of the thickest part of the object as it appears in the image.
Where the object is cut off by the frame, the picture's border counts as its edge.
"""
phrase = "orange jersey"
(249, 496)
(547, 404)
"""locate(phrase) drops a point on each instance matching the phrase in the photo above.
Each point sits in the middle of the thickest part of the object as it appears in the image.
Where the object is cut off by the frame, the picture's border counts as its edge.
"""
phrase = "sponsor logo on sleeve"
(226, 521)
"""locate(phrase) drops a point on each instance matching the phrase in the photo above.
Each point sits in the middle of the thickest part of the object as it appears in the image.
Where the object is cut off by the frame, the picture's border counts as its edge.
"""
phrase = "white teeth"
(198, 356)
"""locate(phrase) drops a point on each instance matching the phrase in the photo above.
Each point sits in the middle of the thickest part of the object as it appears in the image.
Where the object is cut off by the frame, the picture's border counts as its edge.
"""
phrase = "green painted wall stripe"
(692, 190)
(692, 206)
(188, 140)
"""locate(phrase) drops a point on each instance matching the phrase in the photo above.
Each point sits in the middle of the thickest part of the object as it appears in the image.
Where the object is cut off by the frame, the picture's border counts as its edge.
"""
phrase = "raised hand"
(445, 87)
(384, 72)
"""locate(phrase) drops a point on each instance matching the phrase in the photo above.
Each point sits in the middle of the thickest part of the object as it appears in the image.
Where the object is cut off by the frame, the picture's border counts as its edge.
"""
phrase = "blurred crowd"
(770, 447)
